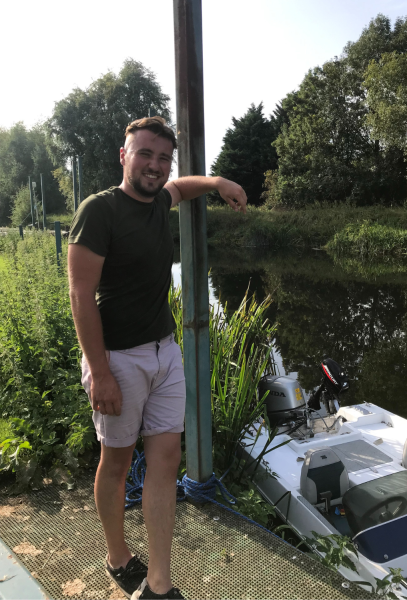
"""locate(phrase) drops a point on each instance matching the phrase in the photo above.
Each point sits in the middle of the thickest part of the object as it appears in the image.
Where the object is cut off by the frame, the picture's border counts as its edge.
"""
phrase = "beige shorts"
(151, 378)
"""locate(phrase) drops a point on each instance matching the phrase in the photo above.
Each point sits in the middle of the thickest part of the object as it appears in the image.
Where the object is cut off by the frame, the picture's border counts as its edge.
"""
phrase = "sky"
(254, 50)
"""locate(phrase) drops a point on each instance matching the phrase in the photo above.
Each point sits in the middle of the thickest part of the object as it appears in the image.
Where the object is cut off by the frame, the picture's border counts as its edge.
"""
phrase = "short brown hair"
(157, 125)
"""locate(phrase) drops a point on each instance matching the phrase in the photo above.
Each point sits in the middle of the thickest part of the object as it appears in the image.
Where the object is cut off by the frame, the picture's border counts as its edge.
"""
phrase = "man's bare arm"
(187, 188)
(85, 268)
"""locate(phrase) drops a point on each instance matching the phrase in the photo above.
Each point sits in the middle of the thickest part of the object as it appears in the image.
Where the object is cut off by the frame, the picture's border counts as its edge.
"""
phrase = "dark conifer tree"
(247, 153)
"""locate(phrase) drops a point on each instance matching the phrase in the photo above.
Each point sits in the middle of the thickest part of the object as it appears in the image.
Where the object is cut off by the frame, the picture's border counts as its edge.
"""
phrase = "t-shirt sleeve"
(167, 197)
(92, 225)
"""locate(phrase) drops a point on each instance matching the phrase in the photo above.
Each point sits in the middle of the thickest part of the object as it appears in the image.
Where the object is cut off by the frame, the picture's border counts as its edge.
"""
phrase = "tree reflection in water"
(354, 313)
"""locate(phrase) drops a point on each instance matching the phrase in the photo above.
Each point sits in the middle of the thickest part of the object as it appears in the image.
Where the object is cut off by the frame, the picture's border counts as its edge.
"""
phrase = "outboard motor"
(334, 383)
(284, 400)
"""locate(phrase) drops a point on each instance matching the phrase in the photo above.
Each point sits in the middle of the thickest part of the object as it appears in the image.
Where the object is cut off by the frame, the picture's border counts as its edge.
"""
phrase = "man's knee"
(174, 457)
(115, 462)
(163, 451)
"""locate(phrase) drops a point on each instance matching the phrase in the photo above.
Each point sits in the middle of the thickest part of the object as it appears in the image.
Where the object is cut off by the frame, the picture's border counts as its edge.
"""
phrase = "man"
(119, 261)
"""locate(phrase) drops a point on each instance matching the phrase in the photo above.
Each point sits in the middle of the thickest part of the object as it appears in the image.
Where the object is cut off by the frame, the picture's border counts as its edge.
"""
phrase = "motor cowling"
(334, 382)
(284, 398)
(335, 377)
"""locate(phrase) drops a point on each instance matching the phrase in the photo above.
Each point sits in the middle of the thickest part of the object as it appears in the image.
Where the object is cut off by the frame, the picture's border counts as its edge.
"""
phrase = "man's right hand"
(105, 394)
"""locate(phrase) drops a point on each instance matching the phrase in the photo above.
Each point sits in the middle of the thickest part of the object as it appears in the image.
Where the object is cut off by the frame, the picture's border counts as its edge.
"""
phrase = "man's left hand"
(233, 194)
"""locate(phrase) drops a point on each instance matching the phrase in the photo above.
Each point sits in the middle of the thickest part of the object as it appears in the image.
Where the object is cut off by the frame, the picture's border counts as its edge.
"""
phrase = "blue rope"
(135, 481)
(137, 474)
(187, 488)
(201, 492)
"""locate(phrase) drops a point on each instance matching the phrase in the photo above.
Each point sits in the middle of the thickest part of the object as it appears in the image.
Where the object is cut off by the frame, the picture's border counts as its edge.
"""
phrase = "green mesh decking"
(58, 537)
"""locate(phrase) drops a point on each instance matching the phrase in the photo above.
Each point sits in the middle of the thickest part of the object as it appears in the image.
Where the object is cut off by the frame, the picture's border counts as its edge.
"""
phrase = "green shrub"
(369, 240)
(41, 392)
(339, 226)
(65, 220)
(21, 212)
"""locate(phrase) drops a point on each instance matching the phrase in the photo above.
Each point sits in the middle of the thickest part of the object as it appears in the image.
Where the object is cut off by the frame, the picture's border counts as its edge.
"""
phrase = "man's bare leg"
(163, 455)
(109, 496)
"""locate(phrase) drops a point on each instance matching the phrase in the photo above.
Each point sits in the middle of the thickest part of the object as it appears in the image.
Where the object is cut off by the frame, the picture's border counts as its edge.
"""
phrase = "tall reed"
(240, 354)
(240, 349)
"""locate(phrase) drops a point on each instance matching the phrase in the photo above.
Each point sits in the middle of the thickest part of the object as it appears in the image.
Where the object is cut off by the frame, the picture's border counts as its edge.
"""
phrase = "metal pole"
(75, 194)
(194, 254)
(31, 201)
(44, 214)
(21, 231)
(36, 212)
(80, 178)
(58, 243)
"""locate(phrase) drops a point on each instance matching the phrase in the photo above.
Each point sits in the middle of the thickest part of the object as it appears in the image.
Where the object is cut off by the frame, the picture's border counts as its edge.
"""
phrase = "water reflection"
(355, 314)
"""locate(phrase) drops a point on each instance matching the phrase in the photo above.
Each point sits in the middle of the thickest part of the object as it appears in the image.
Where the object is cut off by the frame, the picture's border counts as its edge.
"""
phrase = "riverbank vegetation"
(342, 229)
(361, 233)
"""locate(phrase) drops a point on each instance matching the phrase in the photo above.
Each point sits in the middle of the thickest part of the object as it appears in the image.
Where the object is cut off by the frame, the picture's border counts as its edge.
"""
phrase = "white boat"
(344, 473)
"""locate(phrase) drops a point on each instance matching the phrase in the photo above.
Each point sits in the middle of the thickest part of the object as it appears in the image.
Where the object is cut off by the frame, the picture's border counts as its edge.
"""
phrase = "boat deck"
(57, 536)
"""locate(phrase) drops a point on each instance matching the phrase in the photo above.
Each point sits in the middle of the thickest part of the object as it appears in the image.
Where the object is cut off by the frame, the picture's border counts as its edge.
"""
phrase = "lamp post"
(75, 193)
(80, 177)
(34, 186)
(31, 201)
(44, 214)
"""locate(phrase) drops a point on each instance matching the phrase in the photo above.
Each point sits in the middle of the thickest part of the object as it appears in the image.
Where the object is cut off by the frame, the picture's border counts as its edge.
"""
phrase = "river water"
(353, 312)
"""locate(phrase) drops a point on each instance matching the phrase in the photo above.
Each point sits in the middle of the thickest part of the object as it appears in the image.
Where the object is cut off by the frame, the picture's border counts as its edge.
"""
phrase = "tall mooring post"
(44, 213)
(80, 177)
(31, 201)
(74, 184)
(194, 254)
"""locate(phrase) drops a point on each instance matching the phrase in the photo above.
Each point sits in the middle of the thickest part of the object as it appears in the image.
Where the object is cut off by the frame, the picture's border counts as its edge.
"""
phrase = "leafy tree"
(376, 39)
(247, 152)
(65, 183)
(21, 210)
(92, 122)
(386, 84)
(22, 153)
(326, 150)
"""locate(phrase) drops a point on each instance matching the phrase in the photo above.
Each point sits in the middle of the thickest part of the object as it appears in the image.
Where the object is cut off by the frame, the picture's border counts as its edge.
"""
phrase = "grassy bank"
(369, 240)
(368, 232)
(371, 231)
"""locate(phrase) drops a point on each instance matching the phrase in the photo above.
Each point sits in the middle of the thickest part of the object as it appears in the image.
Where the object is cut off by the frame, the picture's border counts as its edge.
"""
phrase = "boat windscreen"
(376, 501)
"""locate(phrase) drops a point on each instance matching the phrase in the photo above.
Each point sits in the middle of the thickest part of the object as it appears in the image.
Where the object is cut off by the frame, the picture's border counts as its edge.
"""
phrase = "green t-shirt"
(135, 239)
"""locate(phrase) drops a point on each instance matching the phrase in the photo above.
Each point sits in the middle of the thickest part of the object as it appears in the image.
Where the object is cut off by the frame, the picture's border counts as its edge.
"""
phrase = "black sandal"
(128, 578)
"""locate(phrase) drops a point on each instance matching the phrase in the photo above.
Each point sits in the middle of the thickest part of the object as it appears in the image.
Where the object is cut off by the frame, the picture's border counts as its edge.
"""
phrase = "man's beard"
(140, 189)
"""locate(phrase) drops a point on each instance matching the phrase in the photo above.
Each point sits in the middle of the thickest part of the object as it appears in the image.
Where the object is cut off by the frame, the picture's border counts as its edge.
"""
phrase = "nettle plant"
(40, 390)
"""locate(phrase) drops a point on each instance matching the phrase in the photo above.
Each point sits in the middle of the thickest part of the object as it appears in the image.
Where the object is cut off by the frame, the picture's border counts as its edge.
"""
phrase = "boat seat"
(324, 477)
(404, 459)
